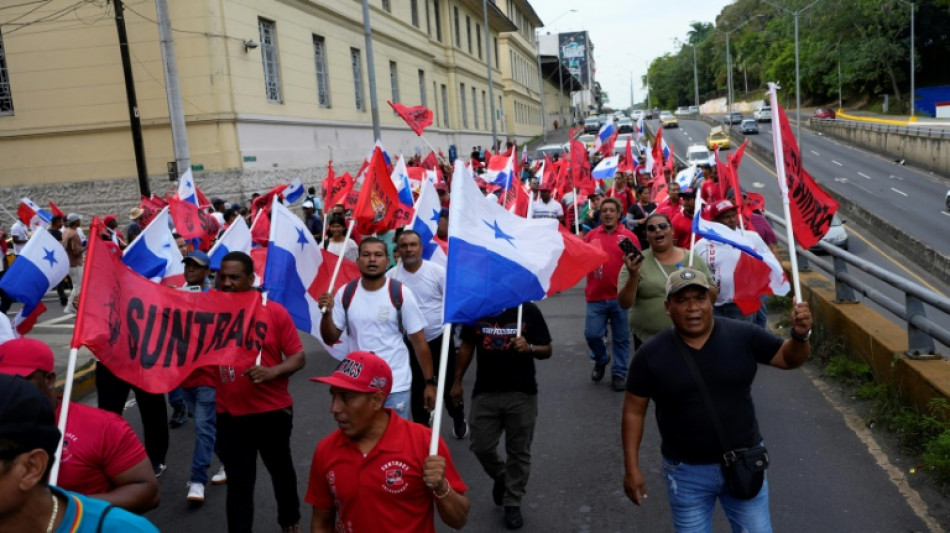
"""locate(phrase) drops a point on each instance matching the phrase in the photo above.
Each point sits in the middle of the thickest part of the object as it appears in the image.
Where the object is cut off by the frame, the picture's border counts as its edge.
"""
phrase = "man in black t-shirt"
(504, 398)
(727, 353)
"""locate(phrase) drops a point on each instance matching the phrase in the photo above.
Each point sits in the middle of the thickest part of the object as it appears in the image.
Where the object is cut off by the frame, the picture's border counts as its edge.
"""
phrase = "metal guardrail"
(921, 331)
(932, 132)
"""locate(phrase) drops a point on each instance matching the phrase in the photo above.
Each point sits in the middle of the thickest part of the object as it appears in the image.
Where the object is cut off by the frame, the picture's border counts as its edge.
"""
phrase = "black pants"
(114, 392)
(417, 394)
(241, 438)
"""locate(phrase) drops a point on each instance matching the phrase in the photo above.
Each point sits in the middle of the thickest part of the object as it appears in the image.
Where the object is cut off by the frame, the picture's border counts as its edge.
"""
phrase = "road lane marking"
(758, 184)
(56, 320)
(814, 152)
(55, 326)
(945, 213)
(841, 180)
(902, 193)
(837, 163)
(863, 175)
(865, 189)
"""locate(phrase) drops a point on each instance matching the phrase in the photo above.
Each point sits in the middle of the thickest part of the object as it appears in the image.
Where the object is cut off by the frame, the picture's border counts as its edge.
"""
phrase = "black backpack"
(395, 296)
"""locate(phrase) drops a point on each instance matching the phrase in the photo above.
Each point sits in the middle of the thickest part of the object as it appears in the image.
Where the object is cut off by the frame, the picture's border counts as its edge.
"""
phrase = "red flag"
(580, 167)
(376, 209)
(577, 260)
(352, 197)
(658, 160)
(734, 161)
(339, 189)
(192, 222)
(607, 149)
(260, 227)
(154, 336)
(327, 184)
(24, 324)
(431, 162)
(417, 117)
(811, 207)
(321, 284)
(151, 207)
(259, 255)
(626, 162)
(722, 170)
(55, 209)
(658, 193)
(265, 200)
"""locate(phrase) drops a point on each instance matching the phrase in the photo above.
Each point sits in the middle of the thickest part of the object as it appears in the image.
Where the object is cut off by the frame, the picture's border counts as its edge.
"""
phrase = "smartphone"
(628, 248)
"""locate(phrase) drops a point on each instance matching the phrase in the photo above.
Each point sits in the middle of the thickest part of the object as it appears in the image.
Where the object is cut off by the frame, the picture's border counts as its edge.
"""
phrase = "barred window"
(422, 88)
(468, 32)
(269, 55)
(464, 108)
(458, 33)
(394, 80)
(478, 39)
(6, 95)
(485, 109)
(438, 20)
(474, 108)
(445, 106)
(357, 65)
(414, 12)
(323, 78)
(387, 6)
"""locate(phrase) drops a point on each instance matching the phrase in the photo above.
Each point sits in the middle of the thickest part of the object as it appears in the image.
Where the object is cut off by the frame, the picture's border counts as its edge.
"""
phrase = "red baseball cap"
(23, 356)
(720, 207)
(108, 218)
(544, 187)
(756, 201)
(361, 372)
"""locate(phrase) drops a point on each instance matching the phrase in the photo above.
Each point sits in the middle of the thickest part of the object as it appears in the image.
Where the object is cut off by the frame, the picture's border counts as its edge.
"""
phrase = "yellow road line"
(865, 240)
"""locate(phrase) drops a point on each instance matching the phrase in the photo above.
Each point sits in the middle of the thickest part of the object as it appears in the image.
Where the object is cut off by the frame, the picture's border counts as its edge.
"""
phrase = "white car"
(946, 201)
(836, 236)
(763, 114)
(698, 154)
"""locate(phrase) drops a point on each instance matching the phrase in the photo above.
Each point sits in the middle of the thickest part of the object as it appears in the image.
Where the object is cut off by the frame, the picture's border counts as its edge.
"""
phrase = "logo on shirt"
(395, 482)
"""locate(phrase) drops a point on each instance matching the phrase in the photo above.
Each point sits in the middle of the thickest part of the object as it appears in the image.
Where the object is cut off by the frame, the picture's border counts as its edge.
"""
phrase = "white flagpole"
(324, 227)
(577, 216)
(440, 389)
(697, 212)
(777, 148)
(434, 151)
(15, 219)
(339, 261)
(64, 412)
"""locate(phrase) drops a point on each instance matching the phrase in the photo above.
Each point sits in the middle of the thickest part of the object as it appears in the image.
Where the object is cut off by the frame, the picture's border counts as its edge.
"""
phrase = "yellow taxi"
(668, 120)
(717, 138)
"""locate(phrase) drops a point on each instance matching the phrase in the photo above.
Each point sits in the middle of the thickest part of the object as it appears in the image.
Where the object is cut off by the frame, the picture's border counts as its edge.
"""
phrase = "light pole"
(798, 94)
(729, 98)
(695, 73)
(537, 40)
(838, 53)
(491, 84)
(913, 109)
(371, 67)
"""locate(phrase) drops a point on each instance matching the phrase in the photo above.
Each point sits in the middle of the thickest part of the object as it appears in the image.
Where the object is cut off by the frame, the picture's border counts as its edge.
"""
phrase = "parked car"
(824, 113)
(718, 137)
(693, 109)
(681, 111)
(734, 118)
(549, 150)
(592, 125)
(625, 125)
(697, 154)
(763, 114)
(946, 201)
(668, 120)
(836, 236)
(749, 127)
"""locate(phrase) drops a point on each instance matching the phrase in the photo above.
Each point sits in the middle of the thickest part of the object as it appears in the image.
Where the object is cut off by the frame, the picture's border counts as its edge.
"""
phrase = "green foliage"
(847, 370)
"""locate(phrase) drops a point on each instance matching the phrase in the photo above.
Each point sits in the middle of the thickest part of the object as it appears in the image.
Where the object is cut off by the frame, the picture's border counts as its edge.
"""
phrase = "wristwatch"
(800, 338)
(434, 380)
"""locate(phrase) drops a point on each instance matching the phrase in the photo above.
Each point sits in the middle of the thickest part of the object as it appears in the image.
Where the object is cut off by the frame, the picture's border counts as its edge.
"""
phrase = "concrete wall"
(929, 153)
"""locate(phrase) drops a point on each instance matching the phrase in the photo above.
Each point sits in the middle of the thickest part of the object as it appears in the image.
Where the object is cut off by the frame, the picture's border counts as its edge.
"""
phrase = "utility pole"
(491, 84)
(371, 66)
(134, 120)
(176, 113)
(695, 78)
(544, 117)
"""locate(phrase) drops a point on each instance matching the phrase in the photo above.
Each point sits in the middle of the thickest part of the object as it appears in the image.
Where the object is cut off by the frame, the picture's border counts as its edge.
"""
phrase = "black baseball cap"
(27, 418)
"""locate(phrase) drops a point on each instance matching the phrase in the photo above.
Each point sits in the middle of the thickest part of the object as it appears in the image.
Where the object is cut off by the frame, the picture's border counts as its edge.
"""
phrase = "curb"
(84, 383)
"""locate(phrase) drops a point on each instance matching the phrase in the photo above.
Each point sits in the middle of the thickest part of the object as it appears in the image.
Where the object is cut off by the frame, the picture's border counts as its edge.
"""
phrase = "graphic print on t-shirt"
(496, 336)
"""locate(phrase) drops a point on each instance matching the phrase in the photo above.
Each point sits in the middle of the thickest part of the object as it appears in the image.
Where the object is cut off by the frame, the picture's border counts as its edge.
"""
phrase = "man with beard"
(376, 312)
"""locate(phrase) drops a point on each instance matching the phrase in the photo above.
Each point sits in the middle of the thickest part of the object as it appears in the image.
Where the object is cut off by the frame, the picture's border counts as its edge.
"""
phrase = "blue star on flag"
(50, 256)
(301, 238)
(435, 216)
(499, 234)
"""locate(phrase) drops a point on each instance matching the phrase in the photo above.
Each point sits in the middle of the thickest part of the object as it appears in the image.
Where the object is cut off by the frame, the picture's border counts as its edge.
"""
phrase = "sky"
(626, 38)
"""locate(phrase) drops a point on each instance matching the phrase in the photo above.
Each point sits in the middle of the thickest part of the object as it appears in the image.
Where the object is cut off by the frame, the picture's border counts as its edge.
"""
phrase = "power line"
(56, 15)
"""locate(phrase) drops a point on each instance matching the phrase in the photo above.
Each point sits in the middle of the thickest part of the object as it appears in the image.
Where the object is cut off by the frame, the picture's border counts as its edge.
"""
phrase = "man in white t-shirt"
(372, 323)
(20, 236)
(427, 282)
(546, 207)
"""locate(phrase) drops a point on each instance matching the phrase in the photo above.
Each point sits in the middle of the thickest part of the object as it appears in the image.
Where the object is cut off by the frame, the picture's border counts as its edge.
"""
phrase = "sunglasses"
(662, 226)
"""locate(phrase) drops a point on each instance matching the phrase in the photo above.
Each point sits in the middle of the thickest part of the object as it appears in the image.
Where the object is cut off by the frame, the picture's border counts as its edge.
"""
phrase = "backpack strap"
(348, 291)
(102, 517)
(395, 296)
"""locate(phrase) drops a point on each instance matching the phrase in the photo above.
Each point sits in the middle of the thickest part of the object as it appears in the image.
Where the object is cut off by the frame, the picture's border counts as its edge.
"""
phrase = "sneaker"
(597, 373)
(220, 478)
(70, 310)
(460, 428)
(159, 469)
(196, 492)
(618, 383)
(498, 490)
(513, 518)
(179, 417)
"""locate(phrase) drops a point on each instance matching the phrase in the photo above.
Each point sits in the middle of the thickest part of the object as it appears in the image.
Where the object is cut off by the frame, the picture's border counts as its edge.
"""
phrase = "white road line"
(945, 213)
(814, 152)
(837, 163)
(865, 189)
(57, 320)
(55, 326)
(863, 175)
(902, 193)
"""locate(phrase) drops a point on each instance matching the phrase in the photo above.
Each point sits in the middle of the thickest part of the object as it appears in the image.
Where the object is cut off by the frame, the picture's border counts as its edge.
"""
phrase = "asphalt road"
(822, 478)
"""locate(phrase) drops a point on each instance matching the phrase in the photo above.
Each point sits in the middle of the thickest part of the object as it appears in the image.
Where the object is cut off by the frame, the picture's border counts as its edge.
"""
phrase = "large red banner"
(375, 212)
(154, 336)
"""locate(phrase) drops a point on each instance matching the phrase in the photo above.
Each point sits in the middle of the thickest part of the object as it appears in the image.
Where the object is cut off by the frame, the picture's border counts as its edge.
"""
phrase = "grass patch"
(847, 371)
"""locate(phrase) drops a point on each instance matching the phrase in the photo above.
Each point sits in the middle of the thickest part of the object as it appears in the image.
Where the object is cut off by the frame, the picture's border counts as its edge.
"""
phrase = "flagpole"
(339, 261)
(64, 412)
(440, 389)
(697, 212)
(324, 238)
(434, 151)
(779, 151)
(15, 219)
(577, 218)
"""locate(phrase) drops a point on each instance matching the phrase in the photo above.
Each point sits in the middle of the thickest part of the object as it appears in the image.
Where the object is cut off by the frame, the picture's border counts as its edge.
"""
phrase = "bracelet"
(448, 489)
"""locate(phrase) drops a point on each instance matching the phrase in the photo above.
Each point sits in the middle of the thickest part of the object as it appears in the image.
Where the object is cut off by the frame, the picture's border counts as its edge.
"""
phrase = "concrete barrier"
(929, 153)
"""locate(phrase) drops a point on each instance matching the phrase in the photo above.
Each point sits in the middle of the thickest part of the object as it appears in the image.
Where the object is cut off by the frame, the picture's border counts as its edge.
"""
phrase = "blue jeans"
(595, 329)
(762, 315)
(176, 397)
(399, 403)
(693, 490)
(201, 402)
(731, 310)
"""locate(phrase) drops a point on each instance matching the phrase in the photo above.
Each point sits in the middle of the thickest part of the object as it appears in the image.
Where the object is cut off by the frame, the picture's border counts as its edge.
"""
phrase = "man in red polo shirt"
(374, 472)
(682, 220)
(102, 456)
(601, 293)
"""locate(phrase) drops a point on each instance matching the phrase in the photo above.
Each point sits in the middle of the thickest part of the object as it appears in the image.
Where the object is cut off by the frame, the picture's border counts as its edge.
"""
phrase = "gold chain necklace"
(52, 518)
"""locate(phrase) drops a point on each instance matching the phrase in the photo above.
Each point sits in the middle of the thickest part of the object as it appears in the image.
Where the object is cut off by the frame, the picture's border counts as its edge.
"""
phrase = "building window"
(468, 32)
(485, 109)
(269, 54)
(478, 39)
(458, 33)
(414, 12)
(387, 6)
(445, 106)
(428, 20)
(495, 44)
(464, 108)
(474, 108)
(438, 20)
(394, 80)
(323, 78)
(422, 88)
(356, 63)
(6, 95)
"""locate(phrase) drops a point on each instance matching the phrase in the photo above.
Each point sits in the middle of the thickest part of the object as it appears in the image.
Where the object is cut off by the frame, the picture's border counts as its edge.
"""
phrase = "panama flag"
(298, 272)
(606, 168)
(41, 265)
(499, 260)
(744, 268)
(188, 191)
(400, 177)
(604, 135)
(294, 191)
(426, 222)
(154, 254)
(640, 128)
(33, 215)
(237, 238)
(500, 170)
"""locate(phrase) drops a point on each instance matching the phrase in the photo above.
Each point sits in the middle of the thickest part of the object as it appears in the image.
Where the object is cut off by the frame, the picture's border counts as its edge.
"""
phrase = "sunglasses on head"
(662, 226)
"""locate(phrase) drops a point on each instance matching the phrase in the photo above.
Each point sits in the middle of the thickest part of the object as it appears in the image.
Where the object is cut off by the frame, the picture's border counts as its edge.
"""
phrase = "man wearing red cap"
(545, 207)
(102, 456)
(682, 220)
(373, 473)
(112, 230)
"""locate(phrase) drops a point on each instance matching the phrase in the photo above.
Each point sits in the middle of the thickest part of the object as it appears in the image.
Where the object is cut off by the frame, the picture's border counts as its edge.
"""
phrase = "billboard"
(574, 53)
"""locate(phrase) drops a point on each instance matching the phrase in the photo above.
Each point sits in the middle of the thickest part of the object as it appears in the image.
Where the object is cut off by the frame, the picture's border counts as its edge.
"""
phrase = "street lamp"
(729, 97)
(913, 108)
(695, 73)
(560, 110)
(798, 93)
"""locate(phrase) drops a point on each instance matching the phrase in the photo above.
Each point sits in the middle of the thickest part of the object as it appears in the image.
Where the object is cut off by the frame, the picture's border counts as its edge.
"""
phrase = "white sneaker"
(70, 310)
(196, 492)
(220, 478)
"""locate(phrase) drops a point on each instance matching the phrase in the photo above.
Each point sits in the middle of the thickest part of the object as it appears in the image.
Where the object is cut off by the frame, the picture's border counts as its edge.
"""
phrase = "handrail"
(914, 131)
